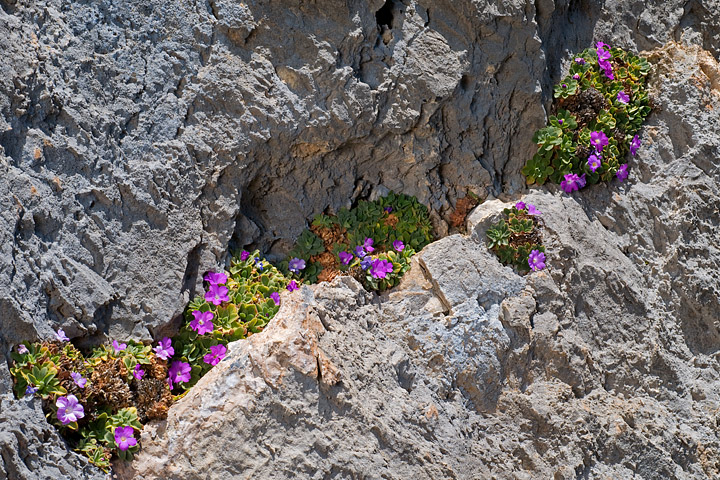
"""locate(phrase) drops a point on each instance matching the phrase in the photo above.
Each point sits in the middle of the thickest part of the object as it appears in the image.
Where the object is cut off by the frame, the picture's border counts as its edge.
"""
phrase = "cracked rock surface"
(138, 140)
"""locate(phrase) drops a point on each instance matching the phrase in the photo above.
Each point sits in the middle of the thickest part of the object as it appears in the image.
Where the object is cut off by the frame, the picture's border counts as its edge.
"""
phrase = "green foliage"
(110, 387)
(589, 103)
(400, 262)
(408, 221)
(249, 310)
(514, 238)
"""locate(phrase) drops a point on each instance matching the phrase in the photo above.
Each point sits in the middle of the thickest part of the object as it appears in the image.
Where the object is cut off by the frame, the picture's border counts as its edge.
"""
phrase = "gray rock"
(139, 140)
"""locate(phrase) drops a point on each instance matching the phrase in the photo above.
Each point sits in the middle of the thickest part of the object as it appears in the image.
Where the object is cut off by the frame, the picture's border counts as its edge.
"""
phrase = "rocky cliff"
(140, 140)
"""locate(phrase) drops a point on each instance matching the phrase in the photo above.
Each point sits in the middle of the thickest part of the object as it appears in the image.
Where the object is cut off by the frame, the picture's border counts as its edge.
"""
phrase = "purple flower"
(623, 97)
(388, 209)
(571, 183)
(119, 347)
(60, 335)
(576, 76)
(79, 380)
(296, 264)
(594, 162)
(124, 437)
(244, 255)
(164, 350)
(520, 206)
(69, 410)
(179, 372)
(275, 297)
(345, 257)
(581, 181)
(368, 245)
(359, 252)
(366, 263)
(607, 69)
(292, 286)
(380, 268)
(603, 55)
(217, 294)
(634, 145)
(30, 390)
(598, 140)
(536, 260)
(532, 210)
(138, 372)
(259, 264)
(601, 45)
(564, 85)
(217, 353)
(215, 278)
(398, 246)
(580, 61)
(22, 349)
(202, 323)
(622, 172)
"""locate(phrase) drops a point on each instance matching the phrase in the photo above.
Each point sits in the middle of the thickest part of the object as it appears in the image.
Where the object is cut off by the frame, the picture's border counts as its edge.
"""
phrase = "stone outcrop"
(139, 140)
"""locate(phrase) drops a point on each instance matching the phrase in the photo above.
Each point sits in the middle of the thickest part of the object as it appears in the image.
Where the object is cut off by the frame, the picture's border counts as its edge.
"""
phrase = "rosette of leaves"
(97, 440)
(249, 310)
(586, 100)
(513, 238)
(385, 220)
(39, 368)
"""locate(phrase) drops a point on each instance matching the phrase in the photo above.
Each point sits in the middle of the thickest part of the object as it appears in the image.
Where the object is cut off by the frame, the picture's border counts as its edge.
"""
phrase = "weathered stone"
(137, 141)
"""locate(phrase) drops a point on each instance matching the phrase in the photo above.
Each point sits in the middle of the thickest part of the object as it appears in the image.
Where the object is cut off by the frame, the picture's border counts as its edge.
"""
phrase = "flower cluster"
(372, 241)
(517, 240)
(116, 386)
(600, 107)
(236, 304)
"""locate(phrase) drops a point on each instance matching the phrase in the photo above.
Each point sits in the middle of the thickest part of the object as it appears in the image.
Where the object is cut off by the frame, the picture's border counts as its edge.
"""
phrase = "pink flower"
(69, 410)
(594, 162)
(292, 286)
(244, 255)
(598, 140)
(138, 372)
(532, 210)
(202, 323)
(217, 294)
(520, 205)
(380, 268)
(536, 260)
(119, 347)
(634, 145)
(60, 335)
(398, 246)
(215, 278)
(217, 353)
(275, 297)
(368, 245)
(623, 97)
(22, 349)
(622, 172)
(179, 372)
(124, 437)
(164, 350)
(345, 257)
(78, 379)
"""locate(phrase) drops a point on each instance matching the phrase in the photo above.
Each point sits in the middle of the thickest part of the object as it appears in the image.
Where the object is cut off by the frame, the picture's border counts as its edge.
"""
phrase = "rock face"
(139, 140)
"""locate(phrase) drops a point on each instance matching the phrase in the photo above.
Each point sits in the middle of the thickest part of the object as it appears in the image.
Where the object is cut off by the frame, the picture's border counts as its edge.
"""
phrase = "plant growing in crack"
(517, 240)
(600, 106)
